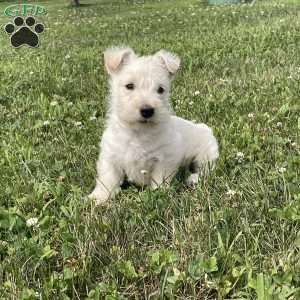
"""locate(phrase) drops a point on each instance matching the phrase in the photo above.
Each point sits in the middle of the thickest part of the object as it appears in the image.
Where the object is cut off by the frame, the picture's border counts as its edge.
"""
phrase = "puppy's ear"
(171, 61)
(115, 58)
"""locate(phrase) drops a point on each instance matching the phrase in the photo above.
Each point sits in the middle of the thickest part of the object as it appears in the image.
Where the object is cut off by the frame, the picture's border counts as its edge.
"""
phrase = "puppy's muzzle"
(147, 111)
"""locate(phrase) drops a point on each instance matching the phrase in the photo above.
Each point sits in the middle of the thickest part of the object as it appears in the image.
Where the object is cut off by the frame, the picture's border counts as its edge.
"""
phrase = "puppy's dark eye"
(160, 90)
(129, 86)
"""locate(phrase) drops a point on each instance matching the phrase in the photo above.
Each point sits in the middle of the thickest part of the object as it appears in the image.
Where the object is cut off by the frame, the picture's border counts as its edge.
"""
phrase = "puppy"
(143, 140)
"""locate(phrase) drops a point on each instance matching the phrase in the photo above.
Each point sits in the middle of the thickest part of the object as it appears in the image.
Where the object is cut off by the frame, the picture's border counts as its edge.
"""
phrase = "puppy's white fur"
(148, 151)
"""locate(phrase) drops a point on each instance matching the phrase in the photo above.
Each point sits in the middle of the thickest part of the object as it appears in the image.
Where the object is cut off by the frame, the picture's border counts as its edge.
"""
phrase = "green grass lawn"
(236, 236)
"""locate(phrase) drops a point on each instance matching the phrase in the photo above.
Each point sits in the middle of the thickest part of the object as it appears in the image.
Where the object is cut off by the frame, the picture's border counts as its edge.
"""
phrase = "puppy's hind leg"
(204, 160)
(195, 171)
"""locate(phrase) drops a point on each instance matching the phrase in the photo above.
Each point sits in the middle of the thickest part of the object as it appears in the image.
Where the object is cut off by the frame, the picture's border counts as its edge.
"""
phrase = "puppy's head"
(140, 86)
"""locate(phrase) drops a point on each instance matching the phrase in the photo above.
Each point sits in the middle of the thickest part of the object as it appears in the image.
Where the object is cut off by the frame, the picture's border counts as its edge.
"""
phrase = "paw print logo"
(24, 32)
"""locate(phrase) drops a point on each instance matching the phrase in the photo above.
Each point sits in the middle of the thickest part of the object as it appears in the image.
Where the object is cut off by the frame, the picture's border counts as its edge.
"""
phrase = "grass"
(236, 236)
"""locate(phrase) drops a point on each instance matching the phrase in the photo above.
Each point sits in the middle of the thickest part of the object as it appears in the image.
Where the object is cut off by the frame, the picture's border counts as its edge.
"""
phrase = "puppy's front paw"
(99, 196)
(192, 180)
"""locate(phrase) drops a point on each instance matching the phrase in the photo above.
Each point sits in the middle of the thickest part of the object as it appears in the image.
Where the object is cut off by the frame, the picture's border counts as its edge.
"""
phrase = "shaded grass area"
(234, 236)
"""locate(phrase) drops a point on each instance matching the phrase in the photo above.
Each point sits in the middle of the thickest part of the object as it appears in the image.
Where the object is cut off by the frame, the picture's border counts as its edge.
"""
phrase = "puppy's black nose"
(147, 111)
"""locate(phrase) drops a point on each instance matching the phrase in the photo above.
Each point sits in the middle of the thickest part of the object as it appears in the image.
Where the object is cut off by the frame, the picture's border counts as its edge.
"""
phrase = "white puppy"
(143, 140)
